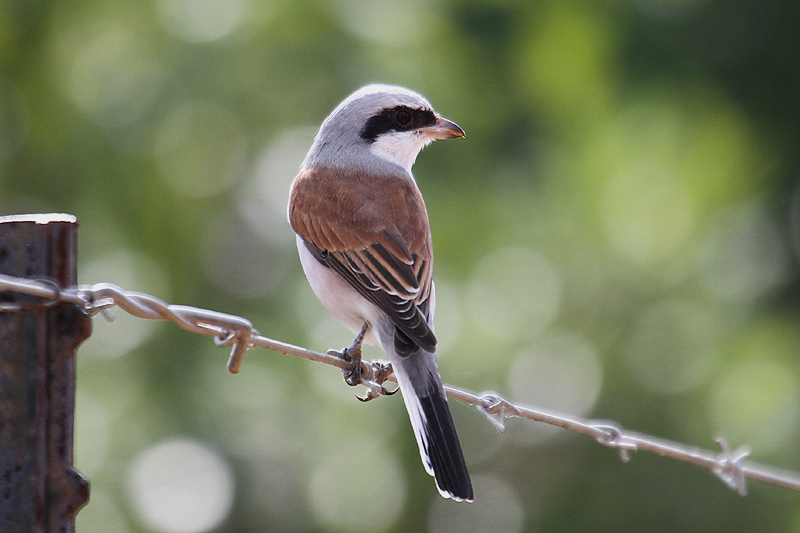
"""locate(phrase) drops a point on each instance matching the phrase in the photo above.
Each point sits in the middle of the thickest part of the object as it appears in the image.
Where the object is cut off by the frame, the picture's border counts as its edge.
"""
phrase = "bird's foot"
(352, 355)
(373, 378)
(355, 368)
(371, 375)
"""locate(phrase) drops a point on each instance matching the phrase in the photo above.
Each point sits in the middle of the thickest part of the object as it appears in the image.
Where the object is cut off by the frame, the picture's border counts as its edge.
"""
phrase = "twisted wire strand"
(231, 330)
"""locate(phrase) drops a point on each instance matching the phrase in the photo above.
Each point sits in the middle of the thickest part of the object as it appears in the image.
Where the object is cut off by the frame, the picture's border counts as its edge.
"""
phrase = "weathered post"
(40, 491)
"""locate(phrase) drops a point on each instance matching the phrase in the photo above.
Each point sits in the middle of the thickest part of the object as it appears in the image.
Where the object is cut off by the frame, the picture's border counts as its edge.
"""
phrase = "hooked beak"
(444, 129)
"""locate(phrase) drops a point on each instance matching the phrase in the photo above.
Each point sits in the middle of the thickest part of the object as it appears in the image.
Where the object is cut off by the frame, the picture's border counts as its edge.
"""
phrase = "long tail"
(426, 403)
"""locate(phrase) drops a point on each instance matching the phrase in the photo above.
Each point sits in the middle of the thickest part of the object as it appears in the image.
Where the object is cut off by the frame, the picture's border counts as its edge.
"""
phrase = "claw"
(367, 397)
(375, 391)
(376, 388)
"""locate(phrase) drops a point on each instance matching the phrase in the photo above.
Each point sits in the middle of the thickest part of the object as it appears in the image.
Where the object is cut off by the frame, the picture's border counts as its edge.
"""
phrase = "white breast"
(338, 297)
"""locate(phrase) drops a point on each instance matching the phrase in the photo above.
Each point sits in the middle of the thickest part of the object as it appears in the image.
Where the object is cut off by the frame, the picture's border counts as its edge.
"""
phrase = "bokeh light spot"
(515, 292)
(561, 371)
(202, 20)
(757, 403)
(181, 486)
(200, 149)
(367, 19)
(265, 195)
(647, 212)
(115, 76)
(360, 491)
(742, 256)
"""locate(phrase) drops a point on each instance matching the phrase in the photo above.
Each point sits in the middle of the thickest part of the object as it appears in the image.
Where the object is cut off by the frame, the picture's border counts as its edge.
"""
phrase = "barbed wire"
(238, 333)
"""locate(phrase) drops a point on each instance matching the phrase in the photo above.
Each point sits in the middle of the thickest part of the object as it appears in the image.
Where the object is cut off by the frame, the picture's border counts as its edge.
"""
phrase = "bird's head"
(379, 124)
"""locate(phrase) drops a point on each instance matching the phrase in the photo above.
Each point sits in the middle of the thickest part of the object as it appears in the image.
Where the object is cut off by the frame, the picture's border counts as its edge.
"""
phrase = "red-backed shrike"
(365, 245)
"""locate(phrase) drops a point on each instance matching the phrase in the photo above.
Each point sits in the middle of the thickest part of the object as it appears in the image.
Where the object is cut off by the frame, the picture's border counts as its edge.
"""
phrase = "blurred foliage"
(617, 237)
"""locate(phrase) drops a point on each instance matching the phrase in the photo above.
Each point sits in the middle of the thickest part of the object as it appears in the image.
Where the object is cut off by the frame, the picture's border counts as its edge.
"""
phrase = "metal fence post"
(40, 491)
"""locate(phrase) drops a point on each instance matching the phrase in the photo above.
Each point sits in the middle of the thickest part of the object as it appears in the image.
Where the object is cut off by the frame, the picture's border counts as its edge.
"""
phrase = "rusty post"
(40, 491)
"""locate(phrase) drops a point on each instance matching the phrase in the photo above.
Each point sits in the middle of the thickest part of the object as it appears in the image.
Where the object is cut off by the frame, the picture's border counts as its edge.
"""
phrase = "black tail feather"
(444, 449)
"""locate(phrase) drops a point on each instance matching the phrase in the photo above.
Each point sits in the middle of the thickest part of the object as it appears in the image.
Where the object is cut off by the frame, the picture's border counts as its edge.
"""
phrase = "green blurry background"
(617, 237)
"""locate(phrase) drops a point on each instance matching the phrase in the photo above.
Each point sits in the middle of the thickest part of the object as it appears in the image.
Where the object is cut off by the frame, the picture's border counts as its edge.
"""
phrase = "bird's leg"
(376, 373)
(352, 355)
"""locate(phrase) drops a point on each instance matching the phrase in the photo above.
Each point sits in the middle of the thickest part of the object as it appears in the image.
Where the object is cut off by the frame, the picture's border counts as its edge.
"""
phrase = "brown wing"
(374, 232)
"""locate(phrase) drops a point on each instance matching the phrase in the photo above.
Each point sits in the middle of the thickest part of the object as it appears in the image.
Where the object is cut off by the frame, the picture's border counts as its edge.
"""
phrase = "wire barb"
(238, 333)
(729, 467)
(613, 437)
(493, 409)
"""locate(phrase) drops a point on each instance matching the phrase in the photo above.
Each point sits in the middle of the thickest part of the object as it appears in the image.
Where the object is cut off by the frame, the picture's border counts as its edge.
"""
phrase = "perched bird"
(365, 246)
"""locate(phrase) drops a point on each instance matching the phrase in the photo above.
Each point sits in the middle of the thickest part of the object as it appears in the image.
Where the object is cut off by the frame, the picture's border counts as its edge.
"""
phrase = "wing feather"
(381, 248)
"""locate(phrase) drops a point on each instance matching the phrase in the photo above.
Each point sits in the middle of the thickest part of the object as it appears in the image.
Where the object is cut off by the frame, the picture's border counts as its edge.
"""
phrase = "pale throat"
(400, 148)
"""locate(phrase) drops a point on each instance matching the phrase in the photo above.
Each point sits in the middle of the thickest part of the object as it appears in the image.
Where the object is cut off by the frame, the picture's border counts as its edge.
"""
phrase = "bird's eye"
(403, 118)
